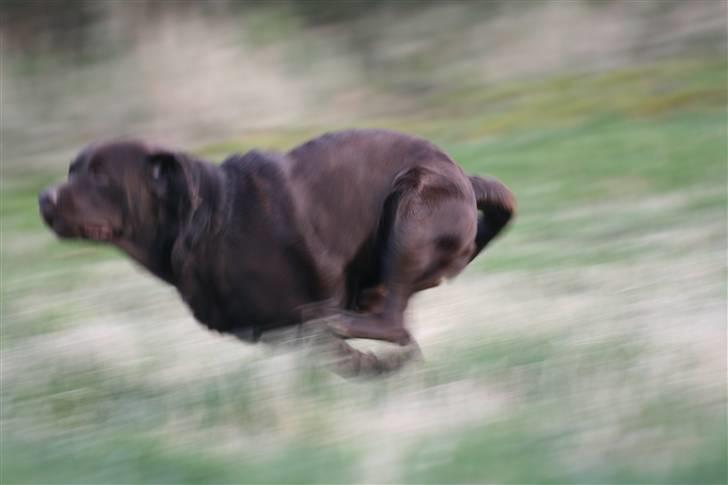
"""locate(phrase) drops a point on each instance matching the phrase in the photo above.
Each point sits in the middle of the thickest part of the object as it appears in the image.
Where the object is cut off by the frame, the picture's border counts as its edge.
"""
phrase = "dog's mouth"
(98, 232)
(90, 231)
(71, 225)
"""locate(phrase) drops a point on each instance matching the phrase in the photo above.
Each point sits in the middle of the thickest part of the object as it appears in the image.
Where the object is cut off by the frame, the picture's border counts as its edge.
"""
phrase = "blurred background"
(587, 345)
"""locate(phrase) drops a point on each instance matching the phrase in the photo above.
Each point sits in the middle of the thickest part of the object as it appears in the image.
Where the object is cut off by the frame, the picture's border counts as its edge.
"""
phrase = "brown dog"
(360, 219)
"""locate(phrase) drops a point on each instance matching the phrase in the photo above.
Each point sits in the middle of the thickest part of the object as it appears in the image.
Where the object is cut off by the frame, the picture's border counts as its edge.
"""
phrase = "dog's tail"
(497, 205)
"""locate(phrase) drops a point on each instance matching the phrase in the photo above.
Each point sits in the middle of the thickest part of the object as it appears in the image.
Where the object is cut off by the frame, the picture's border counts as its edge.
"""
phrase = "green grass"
(613, 274)
(525, 449)
(139, 459)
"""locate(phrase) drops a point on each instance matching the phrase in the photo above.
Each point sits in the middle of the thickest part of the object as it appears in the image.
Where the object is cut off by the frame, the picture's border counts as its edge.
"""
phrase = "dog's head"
(123, 192)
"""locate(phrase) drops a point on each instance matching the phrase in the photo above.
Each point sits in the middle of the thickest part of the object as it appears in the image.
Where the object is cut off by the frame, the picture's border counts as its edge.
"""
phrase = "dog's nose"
(47, 203)
(48, 197)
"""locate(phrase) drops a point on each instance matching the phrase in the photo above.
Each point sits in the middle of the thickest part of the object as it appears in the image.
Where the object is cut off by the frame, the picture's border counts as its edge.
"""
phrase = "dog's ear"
(176, 180)
(172, 175)
(165, 171)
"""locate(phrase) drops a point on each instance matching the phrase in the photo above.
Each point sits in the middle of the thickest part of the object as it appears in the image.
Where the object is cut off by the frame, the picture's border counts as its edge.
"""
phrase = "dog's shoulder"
(259, 188)
(254, 163)
(256, 170)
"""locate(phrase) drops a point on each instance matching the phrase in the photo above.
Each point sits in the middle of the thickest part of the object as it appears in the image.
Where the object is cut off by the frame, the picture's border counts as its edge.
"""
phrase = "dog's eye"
(99, 177)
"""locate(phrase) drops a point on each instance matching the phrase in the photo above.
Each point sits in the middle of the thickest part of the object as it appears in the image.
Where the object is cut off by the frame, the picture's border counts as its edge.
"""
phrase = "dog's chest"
(236, 290)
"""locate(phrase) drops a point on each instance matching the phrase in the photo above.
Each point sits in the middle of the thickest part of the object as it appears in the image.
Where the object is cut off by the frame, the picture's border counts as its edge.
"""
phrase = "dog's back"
(340, 181)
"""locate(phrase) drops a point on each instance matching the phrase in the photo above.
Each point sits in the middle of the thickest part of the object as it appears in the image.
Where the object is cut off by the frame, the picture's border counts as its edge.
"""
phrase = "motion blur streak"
(588, 345)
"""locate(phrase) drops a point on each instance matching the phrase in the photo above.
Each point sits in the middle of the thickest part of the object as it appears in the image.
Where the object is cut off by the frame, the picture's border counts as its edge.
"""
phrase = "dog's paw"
(339, 327)
(404, 339)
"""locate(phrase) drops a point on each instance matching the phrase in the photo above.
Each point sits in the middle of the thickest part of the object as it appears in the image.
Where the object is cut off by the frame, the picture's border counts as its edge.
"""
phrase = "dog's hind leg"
(429, 224)
(349, 362)
(341, 358)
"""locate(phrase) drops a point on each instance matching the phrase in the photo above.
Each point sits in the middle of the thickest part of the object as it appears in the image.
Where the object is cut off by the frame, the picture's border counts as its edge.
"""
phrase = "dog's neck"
(142, 256)
(153, 247)
(153, 254)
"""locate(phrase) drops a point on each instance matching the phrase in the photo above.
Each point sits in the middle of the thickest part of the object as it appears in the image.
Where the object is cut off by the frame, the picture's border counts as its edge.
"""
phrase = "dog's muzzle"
(47, 202)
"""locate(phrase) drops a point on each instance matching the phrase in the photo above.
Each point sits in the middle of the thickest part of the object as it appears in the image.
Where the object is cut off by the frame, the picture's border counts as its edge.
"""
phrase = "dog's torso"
(290, 230)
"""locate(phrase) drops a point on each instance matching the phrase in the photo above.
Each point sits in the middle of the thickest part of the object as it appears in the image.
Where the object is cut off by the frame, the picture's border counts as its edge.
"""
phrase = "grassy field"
(588, 345)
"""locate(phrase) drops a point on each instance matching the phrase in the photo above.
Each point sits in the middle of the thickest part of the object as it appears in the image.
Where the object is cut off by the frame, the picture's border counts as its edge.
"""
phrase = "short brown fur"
(350, 223)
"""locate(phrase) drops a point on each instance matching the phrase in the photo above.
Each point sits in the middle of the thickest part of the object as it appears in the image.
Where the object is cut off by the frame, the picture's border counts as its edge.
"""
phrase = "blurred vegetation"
(75, 70)
(586, 346)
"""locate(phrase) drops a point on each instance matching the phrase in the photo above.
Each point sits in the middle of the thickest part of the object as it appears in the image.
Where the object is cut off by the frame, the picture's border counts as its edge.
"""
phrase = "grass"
(132, 459)
(585, 346)
(520, 450)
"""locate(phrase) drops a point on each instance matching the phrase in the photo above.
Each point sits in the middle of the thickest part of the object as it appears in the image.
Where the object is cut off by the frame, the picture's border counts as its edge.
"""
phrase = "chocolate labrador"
(351, 224)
